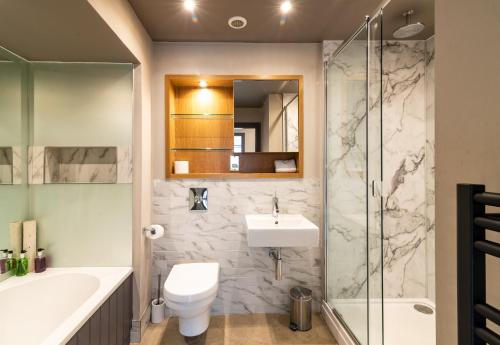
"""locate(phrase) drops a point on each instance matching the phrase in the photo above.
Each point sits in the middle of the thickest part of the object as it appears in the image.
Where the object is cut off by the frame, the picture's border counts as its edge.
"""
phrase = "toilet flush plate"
(198, 199)
(292, 230)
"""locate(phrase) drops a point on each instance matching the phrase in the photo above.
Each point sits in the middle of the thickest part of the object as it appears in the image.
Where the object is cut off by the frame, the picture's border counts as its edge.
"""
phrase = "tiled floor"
(256, 329)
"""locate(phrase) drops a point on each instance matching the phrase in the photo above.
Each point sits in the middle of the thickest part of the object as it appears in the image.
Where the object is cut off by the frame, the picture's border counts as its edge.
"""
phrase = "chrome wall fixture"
(198, 199)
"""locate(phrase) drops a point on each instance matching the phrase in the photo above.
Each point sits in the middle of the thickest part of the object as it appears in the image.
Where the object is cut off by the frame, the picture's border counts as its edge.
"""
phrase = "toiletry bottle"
(40, 261)
(11, 262)
(3, 261)
(22, 264)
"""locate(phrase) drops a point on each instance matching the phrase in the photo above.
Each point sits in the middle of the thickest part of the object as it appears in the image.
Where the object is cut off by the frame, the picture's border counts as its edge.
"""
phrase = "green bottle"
(11, 263)
(22, 264)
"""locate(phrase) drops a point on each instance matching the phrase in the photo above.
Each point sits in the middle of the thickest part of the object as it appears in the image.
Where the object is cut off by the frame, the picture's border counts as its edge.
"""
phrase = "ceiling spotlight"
(286, 7)
(189, 5)
(203, 84)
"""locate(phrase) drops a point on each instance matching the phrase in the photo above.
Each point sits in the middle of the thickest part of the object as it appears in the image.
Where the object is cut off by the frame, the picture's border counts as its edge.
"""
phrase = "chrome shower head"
(409, 29)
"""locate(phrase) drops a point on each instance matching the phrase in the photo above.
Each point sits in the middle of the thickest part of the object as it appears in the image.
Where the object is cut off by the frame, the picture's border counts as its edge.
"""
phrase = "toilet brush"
(159, 288)
(158, 306)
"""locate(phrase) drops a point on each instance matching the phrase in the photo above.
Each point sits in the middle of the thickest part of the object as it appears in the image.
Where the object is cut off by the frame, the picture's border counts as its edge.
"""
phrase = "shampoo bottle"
(3, 261)
(22, 264)
(40, 261)
(11, 262)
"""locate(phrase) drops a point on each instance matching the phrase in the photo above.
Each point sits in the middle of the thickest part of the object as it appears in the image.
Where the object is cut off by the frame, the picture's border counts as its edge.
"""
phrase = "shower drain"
(423, 309)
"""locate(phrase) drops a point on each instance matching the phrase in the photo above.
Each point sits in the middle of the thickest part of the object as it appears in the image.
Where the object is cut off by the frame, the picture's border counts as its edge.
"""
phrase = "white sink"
(292, 230)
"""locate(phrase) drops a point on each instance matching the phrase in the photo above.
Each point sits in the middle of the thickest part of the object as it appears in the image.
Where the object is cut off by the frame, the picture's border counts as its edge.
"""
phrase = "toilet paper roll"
(182, 167)
(154, 231)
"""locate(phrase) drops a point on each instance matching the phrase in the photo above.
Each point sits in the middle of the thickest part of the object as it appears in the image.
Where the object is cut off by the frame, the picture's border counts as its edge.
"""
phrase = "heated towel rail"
(472, 247)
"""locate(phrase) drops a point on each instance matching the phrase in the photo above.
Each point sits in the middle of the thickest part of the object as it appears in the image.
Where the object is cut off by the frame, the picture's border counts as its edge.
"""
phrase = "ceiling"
(59, 30)
(253, 93)
(309, 21)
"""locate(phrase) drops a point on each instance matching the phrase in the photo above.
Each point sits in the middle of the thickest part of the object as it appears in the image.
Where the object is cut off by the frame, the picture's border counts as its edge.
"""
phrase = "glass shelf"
(201, 149)
(206, 116)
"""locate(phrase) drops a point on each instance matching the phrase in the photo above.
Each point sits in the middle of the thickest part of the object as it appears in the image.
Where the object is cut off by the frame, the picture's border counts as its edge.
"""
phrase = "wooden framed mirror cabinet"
(234, 126)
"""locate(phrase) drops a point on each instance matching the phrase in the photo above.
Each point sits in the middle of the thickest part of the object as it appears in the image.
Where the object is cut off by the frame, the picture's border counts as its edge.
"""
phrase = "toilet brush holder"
(157, 310)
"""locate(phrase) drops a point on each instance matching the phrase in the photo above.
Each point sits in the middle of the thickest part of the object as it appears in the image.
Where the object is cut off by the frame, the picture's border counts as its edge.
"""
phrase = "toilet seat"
(191, 282)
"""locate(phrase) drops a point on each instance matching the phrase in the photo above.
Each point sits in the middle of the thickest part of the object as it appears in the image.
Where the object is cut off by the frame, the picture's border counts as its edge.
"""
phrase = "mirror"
(266, 116)
(226, 126)
(13, 143)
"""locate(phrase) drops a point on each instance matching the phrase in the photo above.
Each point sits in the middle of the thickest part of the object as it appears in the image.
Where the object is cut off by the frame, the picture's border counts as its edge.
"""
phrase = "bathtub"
(49, 308)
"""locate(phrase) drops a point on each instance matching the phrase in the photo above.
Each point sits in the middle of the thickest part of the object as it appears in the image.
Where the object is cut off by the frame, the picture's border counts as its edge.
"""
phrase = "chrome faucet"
(276, 209)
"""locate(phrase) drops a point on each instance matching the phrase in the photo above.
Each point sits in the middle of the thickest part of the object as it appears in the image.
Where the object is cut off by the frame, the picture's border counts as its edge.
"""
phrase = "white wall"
(242, 58)
(122, 19)
(467, 145)
(247, 281)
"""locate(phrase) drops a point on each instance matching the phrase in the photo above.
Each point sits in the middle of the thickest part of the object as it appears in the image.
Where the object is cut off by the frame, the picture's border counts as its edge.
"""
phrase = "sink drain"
(423, 309)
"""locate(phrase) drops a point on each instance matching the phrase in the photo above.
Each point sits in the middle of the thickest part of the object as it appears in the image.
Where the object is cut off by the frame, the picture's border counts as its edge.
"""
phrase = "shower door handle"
(376, 187)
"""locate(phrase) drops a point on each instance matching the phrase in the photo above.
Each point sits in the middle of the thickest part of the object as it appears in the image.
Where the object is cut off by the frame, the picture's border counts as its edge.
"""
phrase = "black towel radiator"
(472, 247)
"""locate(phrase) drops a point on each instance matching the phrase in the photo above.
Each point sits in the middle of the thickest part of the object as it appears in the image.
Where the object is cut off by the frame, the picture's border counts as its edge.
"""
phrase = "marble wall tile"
(329, 47)
(247, 283)
(404, 142)
(408, 174)
(347, 173)
(430, 166)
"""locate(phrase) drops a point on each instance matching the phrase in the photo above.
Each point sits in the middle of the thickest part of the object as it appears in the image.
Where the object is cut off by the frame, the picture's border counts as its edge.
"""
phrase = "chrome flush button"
(198, 199)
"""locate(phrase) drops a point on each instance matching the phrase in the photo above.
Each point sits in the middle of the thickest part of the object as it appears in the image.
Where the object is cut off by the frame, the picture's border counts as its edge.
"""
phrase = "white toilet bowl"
(189, 291)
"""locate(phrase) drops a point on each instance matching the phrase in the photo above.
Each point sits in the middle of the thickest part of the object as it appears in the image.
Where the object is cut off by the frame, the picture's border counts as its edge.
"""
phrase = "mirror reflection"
(266, 116)
(13, 143)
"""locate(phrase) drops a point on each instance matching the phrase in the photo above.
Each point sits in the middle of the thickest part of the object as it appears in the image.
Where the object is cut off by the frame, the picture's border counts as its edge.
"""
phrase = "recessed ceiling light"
(189, 5)
(237, 22)
(286, 7)
(203, 84)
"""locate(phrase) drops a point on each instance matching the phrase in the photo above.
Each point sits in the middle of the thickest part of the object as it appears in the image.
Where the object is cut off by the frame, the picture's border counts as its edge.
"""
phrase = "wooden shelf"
(200, 129)
(207, 115)
(236, 175)
(201, 149)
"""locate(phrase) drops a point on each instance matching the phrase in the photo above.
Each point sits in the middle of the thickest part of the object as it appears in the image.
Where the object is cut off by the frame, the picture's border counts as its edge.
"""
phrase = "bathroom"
(235, 172)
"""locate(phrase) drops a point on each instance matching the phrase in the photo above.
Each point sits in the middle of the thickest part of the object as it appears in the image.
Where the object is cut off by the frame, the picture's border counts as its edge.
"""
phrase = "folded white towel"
(285, 166)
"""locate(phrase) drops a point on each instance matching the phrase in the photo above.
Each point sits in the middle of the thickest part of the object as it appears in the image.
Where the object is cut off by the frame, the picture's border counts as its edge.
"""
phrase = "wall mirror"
(266, 116)
(234, 126)
(13, 142)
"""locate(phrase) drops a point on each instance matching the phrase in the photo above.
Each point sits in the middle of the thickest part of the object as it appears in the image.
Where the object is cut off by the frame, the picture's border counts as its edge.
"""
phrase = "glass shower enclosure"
(376, 226)
(354, 284)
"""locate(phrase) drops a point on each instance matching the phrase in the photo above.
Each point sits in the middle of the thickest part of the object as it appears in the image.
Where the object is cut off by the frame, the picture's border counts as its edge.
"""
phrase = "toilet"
(189, 292)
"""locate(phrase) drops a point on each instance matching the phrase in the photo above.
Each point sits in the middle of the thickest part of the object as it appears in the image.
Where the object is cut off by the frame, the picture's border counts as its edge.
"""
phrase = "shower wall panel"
(430, 181)
(346, 197)
(408, 176)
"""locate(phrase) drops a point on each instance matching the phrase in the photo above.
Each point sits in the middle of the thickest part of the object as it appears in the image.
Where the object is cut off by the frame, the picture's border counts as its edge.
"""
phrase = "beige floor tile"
(256, 329)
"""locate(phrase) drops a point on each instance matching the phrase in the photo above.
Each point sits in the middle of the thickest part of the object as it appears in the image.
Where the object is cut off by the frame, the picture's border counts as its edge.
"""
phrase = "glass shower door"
(374, 205)
(347, 185)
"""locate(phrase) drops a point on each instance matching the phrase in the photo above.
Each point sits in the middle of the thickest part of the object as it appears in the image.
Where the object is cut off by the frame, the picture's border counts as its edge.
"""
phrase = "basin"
(292, 230)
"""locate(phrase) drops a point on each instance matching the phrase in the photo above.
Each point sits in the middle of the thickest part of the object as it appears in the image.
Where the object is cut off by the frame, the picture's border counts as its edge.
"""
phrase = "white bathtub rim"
(110, 278)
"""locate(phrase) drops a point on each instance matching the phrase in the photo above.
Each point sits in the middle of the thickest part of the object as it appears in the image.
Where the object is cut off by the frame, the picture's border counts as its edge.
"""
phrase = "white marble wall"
(404, 141)
(247, 283)
(407, 173)
(346, 199)
(430, 167)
